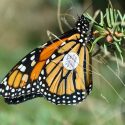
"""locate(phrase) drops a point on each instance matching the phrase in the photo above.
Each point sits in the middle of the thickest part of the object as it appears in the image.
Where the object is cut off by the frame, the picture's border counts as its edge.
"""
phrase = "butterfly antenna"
(59, 17)
(88, 7)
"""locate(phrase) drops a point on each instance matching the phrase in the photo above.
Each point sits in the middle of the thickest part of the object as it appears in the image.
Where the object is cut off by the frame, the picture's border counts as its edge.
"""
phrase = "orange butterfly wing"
(63, 86)
(43, 73)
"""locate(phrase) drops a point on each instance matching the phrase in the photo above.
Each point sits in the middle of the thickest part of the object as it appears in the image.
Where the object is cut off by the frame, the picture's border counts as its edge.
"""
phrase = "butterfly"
(60, 70)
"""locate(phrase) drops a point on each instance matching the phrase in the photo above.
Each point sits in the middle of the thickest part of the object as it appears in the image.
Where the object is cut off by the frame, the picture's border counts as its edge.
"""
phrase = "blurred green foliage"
(23, 26)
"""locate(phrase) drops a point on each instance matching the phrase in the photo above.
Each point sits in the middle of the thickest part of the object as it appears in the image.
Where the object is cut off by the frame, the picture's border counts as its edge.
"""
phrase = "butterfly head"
(82, 25)
(84, 28)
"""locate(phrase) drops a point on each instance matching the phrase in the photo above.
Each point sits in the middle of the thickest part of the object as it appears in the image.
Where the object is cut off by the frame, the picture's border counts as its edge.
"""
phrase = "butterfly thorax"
(84, 28)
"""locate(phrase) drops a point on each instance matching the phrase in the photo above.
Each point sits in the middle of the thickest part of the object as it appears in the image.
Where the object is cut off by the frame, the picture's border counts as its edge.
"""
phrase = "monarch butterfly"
(59, 71)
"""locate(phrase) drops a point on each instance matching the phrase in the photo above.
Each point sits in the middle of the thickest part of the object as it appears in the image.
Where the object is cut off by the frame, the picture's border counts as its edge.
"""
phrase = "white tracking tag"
(70, 61)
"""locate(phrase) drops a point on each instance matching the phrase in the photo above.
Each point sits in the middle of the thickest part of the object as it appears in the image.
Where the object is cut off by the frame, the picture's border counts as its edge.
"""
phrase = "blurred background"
(23, 27)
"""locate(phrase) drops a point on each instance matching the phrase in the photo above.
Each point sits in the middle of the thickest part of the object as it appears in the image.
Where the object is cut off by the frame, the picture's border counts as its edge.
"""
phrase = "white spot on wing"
(7, 88)
(37, 86)
(42, 90)
(49, 98)
(23, 91)
(43, 85)
(20, 66)
(63, 43)
(13, 90)
(53, 56)
(79, 98)
(64, 97)
(47, 61)
(19, 89)
(84, 93)
(2, 90)
(63, 101)
(83, 32)
(33, 89)
(45, 93)
(23, 69)
(5, 79)
(82, 35)
(78, 28)
(6, 94)
(86, 38)
(39, 78)
(28, 86)
(24, 60)
(32, 52)
(53, 100)
(81, 40)
(84, 44)
(34, 83)
(42, 72)
(33, 57)
(5, 83)
(33, 63)
(69, 102)
(78, 93)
